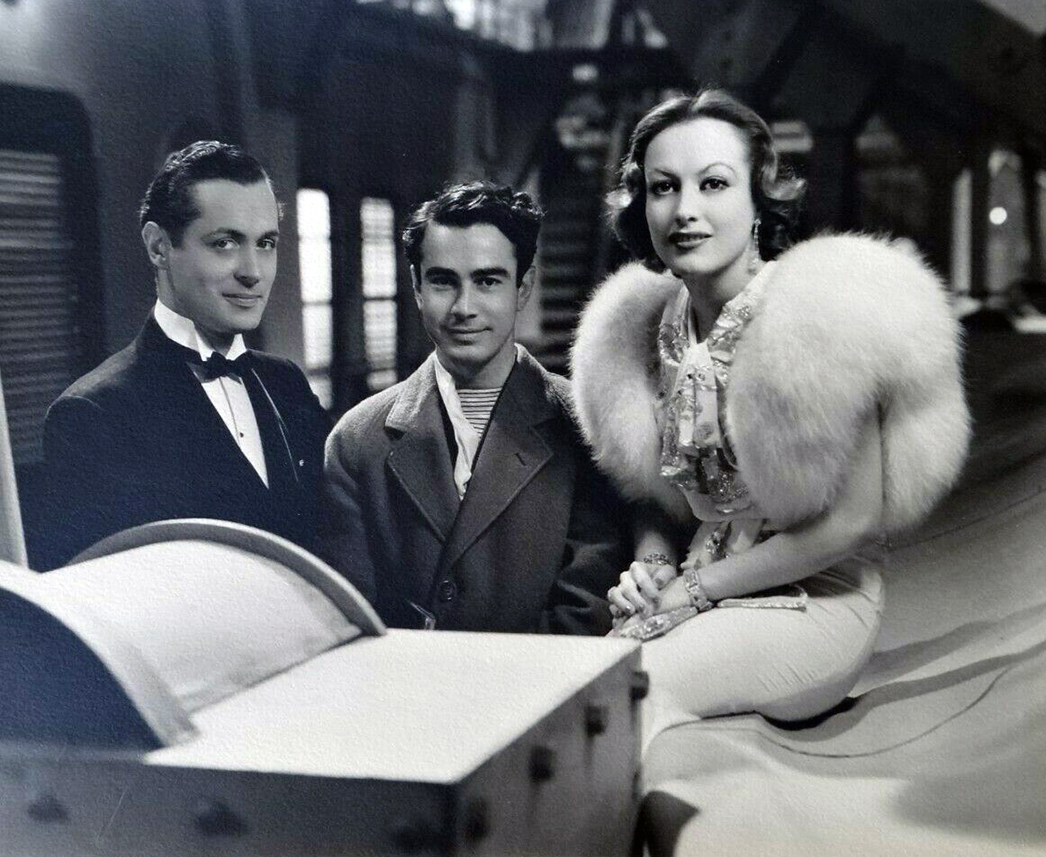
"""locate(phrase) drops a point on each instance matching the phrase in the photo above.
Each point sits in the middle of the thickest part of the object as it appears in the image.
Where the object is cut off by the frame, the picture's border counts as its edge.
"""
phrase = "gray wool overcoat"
(534, 545)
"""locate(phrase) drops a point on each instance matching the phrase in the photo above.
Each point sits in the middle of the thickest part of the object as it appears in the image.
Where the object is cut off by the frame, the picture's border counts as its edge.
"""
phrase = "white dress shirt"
(227, 393)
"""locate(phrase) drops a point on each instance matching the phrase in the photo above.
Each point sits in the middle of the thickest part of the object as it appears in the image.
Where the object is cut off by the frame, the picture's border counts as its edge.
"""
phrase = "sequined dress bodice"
(693, 379)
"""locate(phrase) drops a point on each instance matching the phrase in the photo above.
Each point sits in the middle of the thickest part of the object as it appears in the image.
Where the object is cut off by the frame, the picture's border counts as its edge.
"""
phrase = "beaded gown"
(788, 653)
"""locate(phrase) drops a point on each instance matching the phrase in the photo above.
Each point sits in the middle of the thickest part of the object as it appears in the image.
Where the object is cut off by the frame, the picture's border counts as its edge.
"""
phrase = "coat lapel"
(420, 457)
(512, 453)
(201, 431)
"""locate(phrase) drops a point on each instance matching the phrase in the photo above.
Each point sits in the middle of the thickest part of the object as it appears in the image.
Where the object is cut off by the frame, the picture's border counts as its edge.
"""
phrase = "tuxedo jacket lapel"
(420, 457)
(512, 453)
(201, 432)
(279, 464)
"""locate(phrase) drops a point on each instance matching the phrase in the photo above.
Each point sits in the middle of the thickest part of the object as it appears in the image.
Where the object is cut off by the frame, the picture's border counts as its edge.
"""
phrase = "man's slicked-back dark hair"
(169, 201)
(514, 213)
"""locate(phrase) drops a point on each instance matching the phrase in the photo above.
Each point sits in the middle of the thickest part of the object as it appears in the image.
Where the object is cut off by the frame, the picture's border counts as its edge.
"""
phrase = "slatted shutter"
(40, 343)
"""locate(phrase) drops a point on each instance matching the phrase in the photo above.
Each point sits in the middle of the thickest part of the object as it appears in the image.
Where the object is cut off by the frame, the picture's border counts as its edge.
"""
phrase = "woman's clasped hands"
(646, 588)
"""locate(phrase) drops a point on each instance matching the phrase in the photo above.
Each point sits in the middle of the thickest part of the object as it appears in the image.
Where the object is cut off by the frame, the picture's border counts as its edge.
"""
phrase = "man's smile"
(246, 300)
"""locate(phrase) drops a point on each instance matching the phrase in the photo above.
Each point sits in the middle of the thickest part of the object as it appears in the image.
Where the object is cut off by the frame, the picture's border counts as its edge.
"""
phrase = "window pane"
(379, 270)
(1009, 250)
(377, 226)
(314, 255)
(378, 251)
(314, 217)
(379, 331)
(314, 245)
(315, 259)
(380, 380)
(317, 335)
(321, 386)
(377, 217)
(962, 206)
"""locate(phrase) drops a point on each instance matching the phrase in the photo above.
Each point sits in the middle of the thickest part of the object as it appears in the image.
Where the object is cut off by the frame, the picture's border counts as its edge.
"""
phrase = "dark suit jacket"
(534, 545)
(137, 440)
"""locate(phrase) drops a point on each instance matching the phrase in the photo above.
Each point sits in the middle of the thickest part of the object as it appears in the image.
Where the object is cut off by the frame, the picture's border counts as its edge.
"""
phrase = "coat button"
(447, 590)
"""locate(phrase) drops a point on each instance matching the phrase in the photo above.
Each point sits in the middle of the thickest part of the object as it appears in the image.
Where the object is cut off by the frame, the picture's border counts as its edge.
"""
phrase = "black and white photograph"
(561, 428)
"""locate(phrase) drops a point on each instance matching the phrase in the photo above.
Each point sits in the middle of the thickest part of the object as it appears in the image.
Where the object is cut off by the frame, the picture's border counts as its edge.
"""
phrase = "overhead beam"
(993, 62)
(581, 24)
(991, 56)
(731, 43)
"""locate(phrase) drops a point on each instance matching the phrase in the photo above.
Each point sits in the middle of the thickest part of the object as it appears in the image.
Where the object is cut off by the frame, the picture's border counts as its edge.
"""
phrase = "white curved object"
(312, 569)
(156, 623)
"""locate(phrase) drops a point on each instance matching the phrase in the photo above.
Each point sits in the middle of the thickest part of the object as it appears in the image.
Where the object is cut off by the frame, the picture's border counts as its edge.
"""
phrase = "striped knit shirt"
(477, 406)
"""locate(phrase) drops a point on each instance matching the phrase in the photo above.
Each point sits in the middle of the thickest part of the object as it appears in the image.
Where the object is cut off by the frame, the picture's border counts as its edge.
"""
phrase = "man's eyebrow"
(240, 236)
(226, 232)
(440, 272)
(482, 273)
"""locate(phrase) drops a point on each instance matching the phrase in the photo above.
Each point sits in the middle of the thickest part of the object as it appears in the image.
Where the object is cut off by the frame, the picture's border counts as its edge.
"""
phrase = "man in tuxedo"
(463, 497)
(186, 421)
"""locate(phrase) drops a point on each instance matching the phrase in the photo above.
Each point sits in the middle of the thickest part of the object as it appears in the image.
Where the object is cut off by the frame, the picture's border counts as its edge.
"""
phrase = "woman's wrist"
(714, 584)
(695, 590)
(673, 596)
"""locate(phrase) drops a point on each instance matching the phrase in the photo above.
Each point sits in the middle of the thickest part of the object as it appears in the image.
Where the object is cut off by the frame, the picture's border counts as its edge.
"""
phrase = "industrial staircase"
(567, 257)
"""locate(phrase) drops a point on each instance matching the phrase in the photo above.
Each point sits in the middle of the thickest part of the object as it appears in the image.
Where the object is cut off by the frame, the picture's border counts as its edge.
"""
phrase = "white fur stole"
(847, 324)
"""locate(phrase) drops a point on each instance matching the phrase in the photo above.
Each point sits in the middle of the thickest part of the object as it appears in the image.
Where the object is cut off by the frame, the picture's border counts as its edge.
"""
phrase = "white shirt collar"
(184, 332)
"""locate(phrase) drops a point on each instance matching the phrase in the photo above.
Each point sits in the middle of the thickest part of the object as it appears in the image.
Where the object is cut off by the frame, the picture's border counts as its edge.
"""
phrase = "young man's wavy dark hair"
(514, 213)
(169, 200)
(776, 193)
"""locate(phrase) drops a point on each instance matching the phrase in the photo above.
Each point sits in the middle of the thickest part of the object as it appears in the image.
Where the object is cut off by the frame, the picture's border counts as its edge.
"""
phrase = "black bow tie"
(218, 365)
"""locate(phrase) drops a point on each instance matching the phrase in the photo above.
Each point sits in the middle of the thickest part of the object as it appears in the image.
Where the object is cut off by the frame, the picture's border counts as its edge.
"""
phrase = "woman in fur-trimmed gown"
(773, 414)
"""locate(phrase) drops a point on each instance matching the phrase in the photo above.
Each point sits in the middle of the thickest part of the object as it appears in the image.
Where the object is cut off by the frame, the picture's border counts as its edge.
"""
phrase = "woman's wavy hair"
(776, 193)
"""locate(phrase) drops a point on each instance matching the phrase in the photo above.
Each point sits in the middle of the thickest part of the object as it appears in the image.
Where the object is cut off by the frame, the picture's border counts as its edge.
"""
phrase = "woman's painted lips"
(688, 240)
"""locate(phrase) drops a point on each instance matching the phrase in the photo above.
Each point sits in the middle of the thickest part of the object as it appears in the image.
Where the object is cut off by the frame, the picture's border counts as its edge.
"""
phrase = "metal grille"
(40, 347)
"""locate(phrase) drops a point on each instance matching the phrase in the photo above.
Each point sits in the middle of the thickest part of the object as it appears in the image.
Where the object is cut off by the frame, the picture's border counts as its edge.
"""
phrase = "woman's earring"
(754, 257)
